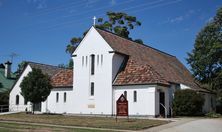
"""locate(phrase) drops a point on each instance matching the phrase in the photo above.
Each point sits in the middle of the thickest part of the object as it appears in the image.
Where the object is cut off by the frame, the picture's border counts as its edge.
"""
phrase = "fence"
(4, 108)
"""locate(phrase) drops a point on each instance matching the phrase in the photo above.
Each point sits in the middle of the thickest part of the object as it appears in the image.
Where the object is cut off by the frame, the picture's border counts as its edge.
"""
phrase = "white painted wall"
(52, 106)
(146, 97)
(16, 90)
(183, 86)
(101, 102)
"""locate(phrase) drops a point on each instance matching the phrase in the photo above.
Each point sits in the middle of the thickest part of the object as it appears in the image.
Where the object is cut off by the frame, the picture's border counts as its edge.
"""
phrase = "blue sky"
(39, 30)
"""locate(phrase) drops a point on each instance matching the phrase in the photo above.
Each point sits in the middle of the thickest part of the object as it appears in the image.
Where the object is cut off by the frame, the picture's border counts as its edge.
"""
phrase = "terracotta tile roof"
(60, 77)
(63, 79)
(147, 64)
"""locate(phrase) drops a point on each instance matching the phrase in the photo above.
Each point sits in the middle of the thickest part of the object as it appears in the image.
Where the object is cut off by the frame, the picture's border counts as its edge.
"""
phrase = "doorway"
(162, 104)
(37, 107)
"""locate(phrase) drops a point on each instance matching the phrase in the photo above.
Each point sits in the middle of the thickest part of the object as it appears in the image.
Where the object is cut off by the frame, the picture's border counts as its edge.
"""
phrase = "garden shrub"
(187, 103)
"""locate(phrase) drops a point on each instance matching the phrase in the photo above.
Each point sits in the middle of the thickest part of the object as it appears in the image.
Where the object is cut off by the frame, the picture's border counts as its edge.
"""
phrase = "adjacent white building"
(106, 66)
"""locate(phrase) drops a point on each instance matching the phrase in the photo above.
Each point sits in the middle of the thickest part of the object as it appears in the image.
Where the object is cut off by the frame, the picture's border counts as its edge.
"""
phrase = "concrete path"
(6, 113)
(190, 125)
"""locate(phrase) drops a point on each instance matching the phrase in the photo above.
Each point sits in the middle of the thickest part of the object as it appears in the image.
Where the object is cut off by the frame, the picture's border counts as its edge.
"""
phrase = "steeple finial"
(94, 20)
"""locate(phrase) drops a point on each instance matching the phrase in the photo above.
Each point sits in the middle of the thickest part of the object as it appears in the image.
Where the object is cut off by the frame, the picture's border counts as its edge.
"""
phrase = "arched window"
(65, 97)
(134, 96)
(17, 100)
(92, 89)
(125, 94)
(92, 64)
(57, 97)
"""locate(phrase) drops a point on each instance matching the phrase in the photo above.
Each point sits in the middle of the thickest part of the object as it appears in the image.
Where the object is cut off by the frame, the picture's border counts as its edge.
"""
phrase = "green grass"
(15, 127)
(83, 121)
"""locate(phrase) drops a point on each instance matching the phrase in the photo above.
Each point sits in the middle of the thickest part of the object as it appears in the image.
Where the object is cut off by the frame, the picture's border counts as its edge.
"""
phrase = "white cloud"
(91, 3)
(1, 3)
(180, 18)
(176, 19)
(113, 2)
(40, 4)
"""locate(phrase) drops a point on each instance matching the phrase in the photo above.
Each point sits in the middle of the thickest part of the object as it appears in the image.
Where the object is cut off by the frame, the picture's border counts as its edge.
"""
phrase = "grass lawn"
(15, 127)
(83, 121)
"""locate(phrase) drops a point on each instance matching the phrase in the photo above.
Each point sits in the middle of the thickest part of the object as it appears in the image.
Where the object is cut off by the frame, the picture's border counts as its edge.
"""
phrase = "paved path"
(190, 125)
(6, 113)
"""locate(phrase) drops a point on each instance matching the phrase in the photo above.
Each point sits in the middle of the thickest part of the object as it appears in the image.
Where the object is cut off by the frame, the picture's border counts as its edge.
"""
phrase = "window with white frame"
(64, 98)
(92, 89)
(134, 96)
(17, 100)
(57, 97)
(125, 94)
(92, 64)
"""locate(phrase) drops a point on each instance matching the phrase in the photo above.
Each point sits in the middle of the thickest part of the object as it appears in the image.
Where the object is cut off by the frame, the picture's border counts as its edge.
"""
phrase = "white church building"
(106, 66)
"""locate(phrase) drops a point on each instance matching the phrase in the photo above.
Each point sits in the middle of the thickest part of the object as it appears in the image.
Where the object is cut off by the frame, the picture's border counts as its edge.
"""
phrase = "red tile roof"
(146, 64)
(63, 79)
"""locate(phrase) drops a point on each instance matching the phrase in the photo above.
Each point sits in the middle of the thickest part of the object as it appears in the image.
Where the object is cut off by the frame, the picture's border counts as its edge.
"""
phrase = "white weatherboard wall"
(16, 90)
(52, 106)
(101, 102)
(145, 104)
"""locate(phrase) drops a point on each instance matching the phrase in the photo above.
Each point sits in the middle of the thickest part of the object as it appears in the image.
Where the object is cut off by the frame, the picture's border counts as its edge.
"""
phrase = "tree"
(206, 57)
(35, 87)
(118, 22)
(21, 67)
(187, 103)
(4, 97)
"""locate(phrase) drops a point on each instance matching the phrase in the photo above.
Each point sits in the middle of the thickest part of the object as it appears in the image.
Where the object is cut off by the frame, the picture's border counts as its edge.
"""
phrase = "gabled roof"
(60, 77)
(146, 64)
(45, 68)
(52, 71)
(5, 83)
(63, 79)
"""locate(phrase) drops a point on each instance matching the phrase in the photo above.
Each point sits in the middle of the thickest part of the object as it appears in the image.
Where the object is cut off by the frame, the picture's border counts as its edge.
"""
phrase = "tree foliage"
(187, 103)
(118, 22)
(36, 86)
(4, 97)
(21, 67)
(206, 57)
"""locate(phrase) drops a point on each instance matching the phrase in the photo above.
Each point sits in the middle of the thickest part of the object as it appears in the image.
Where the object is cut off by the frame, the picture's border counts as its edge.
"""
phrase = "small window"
(25, 101)
(101, 59)
(92, 89)
(65, 97)
(86, 60)
(134, 96)
(92, 64)
(125, 94)
(57, 97)
(97, 59)
(17, 100)
(82, 60)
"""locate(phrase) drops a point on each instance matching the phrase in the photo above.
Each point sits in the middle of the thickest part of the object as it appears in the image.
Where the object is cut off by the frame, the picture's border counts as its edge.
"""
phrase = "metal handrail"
(165, 109)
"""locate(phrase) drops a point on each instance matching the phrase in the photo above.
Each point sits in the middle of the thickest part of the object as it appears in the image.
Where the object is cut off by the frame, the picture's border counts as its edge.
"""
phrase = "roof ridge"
(145, 45)
(28, 62)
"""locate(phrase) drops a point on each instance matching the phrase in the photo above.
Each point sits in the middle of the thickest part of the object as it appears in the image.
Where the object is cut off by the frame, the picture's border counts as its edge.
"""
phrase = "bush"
(187, 103)
(213, 115)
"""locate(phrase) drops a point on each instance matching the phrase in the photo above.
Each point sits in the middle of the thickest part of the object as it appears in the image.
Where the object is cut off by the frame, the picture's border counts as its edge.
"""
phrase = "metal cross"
(94, 20)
